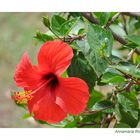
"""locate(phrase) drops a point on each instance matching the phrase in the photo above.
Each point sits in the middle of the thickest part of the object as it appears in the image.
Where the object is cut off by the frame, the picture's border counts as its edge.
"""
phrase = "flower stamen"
(22, 97)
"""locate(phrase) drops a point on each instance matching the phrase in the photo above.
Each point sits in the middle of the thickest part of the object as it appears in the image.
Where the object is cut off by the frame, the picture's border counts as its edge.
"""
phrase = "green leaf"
(92, 118)
(104, 17)
(117, 111)
(71, 124)
(115, 59)
(69, 121)
(26, 116)
(103, 105)
(43, 37)
(137, 24)
(56, 23)
(81, 31)
(98, 63)
(99, 14)
(125, 117)
(118, 30)
(42, 122)
(95, 96)
(136, 58)
(100, 39)
(62, 27)
(128, 119)
(134, 38)
(83, 46)
(130, 25)
(122, 125)
(65, 74)
(110, 77)
(79, 28)
(80, 68)
(129, 103)
(68, 26)
(100, 42)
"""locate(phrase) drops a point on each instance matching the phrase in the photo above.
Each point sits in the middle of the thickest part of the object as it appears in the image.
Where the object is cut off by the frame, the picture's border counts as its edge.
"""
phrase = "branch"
(119, 38)
(129, 76)
(89, 112)
(112, 20)
(112, 123)
(130, 55)
(137, 52)
(124, 21)
(134, 14)
(104, 120)
(92, 19)
(71, 39)
(88, 124)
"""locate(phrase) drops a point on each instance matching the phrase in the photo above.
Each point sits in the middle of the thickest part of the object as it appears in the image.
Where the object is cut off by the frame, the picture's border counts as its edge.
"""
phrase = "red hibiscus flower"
(49, 96)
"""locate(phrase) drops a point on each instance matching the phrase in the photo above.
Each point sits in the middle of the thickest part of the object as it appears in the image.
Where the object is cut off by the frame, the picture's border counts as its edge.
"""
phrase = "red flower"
(52, 97)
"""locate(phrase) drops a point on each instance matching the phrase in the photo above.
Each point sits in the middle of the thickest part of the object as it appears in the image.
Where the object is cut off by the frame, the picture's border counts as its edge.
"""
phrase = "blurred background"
(16, 37)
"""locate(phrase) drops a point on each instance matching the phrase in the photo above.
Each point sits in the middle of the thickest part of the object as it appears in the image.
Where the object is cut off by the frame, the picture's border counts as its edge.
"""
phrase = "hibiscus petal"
(26, 75)
(55, 56)
(44, 107)
(72, 95)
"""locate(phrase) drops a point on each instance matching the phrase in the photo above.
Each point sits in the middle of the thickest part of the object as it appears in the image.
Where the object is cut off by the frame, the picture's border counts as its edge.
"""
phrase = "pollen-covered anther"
(22, 97)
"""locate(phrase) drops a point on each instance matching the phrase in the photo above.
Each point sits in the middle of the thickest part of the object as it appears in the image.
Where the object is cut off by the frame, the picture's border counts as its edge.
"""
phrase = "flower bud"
(46, 21)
